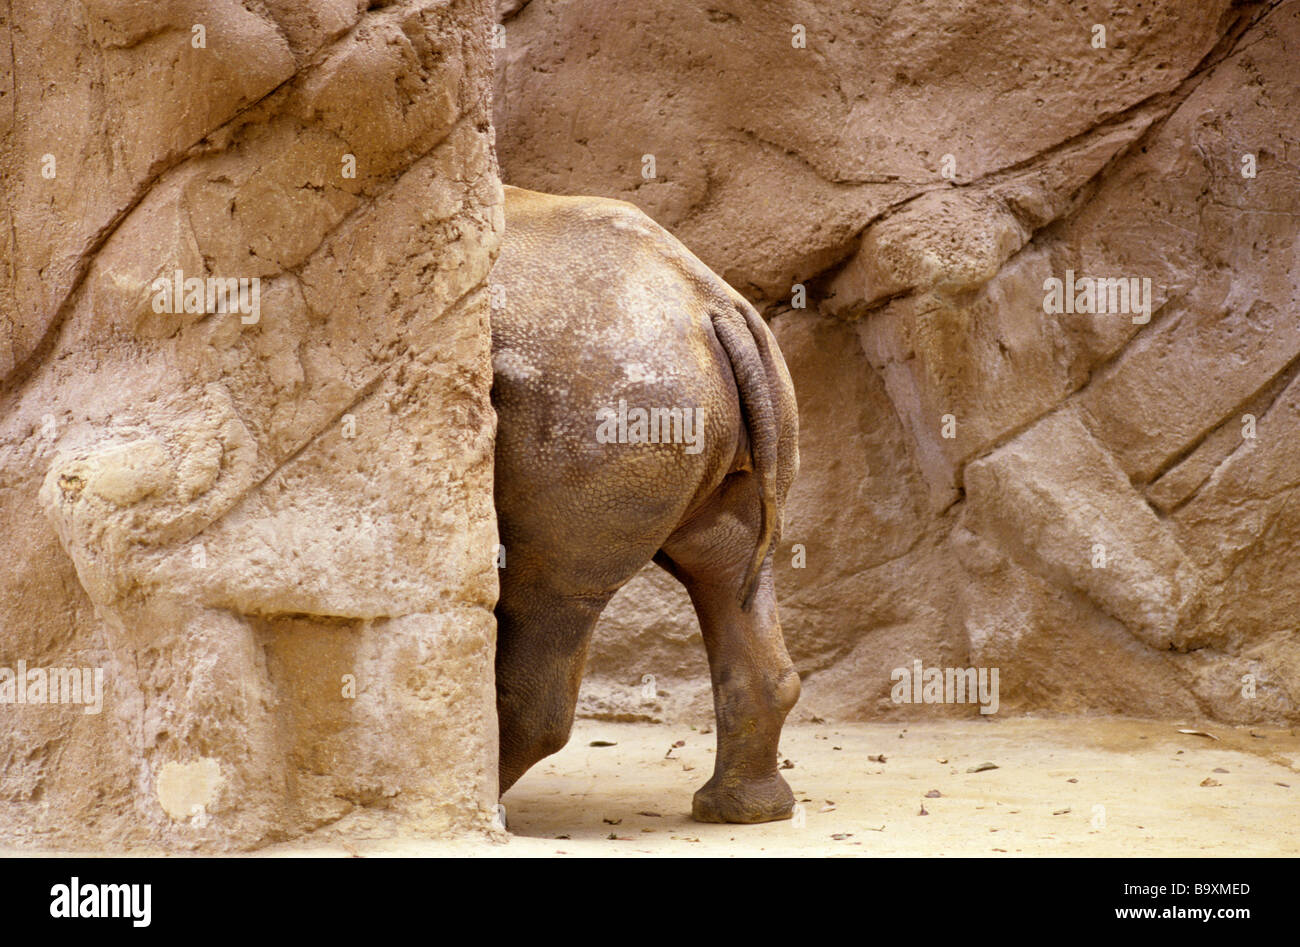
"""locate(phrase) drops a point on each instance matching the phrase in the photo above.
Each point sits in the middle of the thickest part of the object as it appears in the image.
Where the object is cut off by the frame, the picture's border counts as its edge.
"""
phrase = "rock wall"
(257, 527)
(1098, 498)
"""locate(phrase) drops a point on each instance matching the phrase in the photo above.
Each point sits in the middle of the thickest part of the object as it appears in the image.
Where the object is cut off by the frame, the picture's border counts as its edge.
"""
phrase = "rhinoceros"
(644, 414)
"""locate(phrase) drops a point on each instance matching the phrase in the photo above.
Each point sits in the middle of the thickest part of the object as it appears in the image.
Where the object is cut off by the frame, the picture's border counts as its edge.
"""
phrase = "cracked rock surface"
(1101, 504)
(268, 522)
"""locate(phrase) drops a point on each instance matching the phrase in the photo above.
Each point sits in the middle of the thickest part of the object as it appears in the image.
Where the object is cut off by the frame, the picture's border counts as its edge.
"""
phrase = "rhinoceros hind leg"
(754, 682)
(542, 642)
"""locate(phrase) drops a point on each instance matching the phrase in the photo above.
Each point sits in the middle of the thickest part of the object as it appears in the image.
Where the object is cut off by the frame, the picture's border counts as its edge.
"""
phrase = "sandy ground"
(1089, 787)
(1077, 786)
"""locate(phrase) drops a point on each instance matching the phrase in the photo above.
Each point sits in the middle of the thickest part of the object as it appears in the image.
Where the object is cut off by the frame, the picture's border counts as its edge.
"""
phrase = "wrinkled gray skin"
(594, 302)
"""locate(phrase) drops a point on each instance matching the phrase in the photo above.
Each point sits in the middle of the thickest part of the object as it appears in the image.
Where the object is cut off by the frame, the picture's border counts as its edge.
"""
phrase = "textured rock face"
(265, 520)
(1097, 498)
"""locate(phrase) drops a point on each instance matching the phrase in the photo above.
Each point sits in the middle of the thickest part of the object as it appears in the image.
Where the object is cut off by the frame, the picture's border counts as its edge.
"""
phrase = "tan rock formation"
(1101, 504)
(267, 518)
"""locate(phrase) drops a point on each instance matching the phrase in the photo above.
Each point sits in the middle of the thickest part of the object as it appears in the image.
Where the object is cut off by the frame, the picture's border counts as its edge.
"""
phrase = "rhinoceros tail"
(743, 335)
